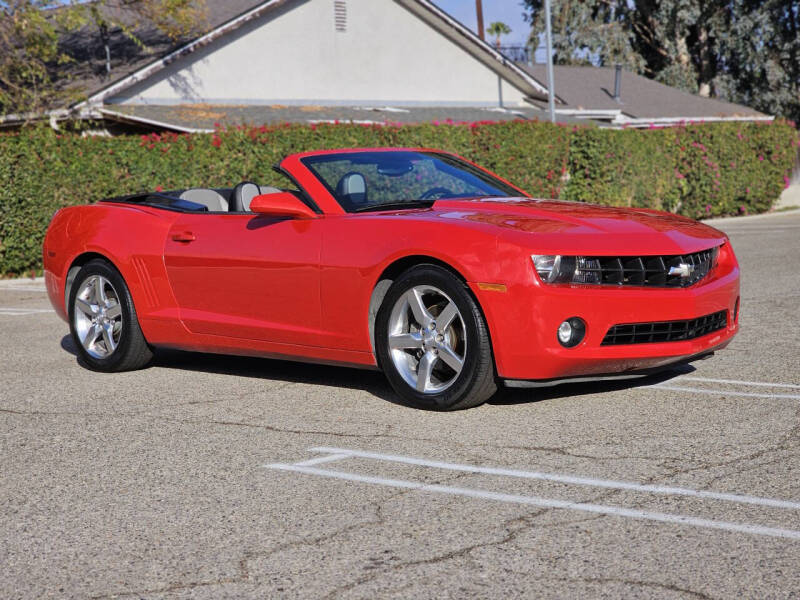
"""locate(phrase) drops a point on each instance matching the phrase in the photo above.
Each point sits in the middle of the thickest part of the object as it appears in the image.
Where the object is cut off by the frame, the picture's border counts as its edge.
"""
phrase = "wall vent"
(340, 15)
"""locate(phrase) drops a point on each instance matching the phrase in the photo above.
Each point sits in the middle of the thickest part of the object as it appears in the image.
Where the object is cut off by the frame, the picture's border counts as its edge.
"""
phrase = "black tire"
(132, 351)
(475, 383)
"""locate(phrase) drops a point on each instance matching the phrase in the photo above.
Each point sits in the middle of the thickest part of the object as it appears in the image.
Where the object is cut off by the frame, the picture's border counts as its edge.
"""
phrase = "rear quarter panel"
(131, 238)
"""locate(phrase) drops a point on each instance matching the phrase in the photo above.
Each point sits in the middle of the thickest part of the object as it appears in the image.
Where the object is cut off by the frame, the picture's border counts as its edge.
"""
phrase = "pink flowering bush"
(698, 170)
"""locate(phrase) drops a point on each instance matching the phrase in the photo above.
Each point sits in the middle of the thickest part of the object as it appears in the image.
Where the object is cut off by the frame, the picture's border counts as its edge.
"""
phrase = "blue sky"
(508, 11)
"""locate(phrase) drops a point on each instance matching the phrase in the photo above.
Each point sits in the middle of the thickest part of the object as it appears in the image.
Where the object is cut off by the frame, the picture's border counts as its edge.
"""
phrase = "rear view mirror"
(395, 168)
(281, 204)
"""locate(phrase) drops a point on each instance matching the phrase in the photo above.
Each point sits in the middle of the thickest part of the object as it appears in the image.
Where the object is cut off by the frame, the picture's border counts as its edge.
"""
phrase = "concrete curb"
(746, 218)
(790, 197)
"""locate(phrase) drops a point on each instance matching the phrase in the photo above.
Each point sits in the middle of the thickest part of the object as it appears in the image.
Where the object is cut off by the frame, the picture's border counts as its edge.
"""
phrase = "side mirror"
(281, 204)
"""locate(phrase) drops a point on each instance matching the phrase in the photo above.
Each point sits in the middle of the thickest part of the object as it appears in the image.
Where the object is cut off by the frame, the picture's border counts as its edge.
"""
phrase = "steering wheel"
(434, 191)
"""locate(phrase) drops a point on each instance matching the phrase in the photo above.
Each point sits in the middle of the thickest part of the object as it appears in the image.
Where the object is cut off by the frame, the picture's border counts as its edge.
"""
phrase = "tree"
(498, 29)
(33, 56)
(744, 51)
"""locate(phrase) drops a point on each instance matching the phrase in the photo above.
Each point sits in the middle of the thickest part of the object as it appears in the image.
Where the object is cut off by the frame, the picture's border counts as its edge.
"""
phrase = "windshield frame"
(451, 160)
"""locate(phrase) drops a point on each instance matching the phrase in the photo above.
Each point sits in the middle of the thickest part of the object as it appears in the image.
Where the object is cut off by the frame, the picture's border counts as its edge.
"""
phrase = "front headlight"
(566, 269)
(554, 269)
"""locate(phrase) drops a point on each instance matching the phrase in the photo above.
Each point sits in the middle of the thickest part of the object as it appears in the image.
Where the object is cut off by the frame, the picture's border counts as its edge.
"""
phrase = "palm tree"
(497, 29)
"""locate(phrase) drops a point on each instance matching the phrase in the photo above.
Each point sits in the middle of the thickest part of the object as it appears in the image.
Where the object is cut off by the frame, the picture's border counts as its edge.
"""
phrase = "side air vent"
(149, 294)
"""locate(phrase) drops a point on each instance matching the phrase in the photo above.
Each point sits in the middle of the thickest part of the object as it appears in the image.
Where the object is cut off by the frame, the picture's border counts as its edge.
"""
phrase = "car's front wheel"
(432, 341)
(103, 320)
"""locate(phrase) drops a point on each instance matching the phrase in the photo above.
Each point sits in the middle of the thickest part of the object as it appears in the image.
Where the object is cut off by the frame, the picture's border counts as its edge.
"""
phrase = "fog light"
(571, 332)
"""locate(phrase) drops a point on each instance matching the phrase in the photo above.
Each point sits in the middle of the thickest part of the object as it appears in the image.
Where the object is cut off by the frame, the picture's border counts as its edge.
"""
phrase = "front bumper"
(624, 376)
(523, 322)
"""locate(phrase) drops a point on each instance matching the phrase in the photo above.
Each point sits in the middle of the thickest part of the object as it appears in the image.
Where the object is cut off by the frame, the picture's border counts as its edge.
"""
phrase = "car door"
(246, 276)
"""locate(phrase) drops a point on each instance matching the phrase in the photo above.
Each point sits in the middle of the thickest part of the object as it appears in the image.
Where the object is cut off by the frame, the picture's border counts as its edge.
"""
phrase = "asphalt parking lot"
(211, 477)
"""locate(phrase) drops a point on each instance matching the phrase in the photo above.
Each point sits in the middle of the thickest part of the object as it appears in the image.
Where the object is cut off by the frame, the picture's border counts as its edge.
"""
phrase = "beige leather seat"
(211, 199)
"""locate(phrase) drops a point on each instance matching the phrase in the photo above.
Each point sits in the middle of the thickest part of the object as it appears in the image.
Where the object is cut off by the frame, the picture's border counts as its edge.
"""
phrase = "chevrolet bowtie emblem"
(683, 269)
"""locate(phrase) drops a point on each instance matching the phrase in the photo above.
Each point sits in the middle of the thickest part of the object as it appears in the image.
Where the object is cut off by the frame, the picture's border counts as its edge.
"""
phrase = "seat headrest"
(352, 187)
(243, 195)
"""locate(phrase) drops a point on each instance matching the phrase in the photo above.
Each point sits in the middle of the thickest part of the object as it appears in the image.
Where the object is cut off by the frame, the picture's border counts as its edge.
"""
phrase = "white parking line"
(561, 478)
(322, 459)
(21, 312)
(668, 385)
(342, 453)
(24, 288)
(740, 382)
(678, 388)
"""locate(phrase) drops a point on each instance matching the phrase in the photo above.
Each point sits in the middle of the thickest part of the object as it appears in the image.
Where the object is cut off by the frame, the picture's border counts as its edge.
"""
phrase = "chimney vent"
(617, 81)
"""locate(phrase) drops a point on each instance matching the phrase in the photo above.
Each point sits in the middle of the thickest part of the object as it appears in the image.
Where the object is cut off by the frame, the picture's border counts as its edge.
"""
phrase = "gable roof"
(591, 90)
(228, 21)
(87, 73)
(480, 49)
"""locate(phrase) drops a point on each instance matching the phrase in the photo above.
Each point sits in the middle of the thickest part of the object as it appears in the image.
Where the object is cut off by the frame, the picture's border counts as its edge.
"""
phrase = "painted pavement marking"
(22, 312)
(560, 478)
(24, 288)
(678, 388)
(740, 382)
(668, 385)
(336, 454)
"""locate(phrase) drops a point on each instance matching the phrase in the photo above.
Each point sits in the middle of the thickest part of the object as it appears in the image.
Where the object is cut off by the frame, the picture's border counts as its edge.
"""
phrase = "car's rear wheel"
(432, 341)
(103, 320)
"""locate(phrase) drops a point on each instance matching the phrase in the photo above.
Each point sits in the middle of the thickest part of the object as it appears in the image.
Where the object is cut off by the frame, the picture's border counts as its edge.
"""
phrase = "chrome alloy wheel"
(427, 339)
(98, 316)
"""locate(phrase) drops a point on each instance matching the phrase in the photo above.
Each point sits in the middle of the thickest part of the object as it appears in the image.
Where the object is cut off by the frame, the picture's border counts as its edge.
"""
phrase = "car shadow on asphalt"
(372, 382)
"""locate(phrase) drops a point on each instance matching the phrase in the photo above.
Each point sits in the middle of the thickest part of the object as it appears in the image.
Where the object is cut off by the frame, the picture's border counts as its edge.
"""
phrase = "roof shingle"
(592, 88)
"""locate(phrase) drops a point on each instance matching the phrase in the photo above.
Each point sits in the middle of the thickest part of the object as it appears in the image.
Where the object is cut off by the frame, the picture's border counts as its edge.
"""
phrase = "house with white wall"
(344, 56)
(332, 52)
(365, 61)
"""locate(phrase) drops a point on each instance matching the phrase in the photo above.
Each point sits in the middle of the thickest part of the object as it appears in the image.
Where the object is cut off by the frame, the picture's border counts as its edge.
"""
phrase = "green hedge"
(703, 170)
(699, 170)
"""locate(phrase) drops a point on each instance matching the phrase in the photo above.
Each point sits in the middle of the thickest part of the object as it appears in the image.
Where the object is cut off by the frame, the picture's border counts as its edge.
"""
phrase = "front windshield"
(362, 181)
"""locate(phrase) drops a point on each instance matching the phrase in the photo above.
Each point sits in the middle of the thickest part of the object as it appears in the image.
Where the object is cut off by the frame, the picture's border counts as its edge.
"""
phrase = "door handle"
(183, 236)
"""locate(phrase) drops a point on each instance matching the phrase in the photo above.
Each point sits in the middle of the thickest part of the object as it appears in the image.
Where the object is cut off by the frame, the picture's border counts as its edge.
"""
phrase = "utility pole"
(551, 104)
(479, 11)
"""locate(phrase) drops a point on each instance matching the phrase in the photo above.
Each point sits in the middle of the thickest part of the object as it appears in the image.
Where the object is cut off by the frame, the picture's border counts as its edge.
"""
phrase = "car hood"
(557, 227)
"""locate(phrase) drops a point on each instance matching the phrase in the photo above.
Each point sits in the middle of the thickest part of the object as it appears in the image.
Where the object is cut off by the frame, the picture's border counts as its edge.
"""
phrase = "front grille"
(687, 269)
(665, 331)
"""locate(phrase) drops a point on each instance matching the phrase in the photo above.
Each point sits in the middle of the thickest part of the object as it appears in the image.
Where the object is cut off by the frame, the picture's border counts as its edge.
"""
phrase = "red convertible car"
(413, 261)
